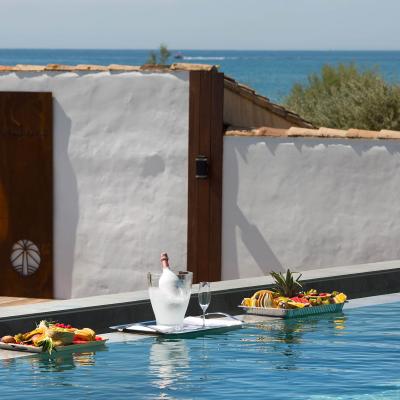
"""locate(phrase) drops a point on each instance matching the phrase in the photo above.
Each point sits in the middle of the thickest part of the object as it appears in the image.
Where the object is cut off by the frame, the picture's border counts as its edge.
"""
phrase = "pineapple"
(286, 285)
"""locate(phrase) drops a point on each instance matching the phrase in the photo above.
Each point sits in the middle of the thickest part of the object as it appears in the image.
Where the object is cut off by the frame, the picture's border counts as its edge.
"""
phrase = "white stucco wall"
(120, 175)
(308, 203)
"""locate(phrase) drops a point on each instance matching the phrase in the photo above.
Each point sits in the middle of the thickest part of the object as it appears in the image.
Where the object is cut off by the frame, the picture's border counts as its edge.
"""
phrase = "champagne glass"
(204, 298)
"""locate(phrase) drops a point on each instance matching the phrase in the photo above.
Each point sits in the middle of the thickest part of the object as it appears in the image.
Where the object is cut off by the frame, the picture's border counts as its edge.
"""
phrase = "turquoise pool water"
(354, 355)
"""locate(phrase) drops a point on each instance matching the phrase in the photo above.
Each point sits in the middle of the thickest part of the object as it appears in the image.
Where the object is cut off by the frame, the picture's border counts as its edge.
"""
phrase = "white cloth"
(211, 322)
(190, 324)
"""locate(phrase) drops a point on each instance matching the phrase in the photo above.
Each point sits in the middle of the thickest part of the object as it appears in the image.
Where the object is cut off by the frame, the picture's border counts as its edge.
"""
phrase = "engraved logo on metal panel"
(25, 257)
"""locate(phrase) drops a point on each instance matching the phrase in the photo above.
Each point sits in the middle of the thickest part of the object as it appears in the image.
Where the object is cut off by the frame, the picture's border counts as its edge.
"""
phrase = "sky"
(201, 24)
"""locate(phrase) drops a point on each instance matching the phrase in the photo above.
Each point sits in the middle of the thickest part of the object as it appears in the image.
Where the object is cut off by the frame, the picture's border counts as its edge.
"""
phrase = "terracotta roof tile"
(89, 67)
(118, 67)
(315, 133)
(281, 111)
(57, 67)
(329, 132)
(154, 67)
(246, 88)
(274, 132)
(6, 68)
(295, 131)
(23, 67)
(112, 67)
(228, 78)
(263, 131)
(193, 67)
(386, 134)
(361, 134)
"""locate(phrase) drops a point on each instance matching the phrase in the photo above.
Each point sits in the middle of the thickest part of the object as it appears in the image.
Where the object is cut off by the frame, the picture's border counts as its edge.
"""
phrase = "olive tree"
(345, 97)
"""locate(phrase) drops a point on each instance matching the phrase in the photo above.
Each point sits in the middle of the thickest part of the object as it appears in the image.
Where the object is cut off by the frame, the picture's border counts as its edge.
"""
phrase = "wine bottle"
(164, 261)
(168, 280)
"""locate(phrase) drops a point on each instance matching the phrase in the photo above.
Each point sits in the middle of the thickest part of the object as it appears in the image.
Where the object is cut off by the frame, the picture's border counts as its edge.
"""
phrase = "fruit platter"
(52, 336)
(287, 299)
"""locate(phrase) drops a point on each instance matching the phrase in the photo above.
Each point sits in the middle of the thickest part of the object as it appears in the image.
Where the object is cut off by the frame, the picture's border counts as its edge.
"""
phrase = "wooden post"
(26, 194)
(205, 194)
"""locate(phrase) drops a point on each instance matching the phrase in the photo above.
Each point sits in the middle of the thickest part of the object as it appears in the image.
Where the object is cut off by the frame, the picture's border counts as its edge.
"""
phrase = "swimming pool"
(354, 355)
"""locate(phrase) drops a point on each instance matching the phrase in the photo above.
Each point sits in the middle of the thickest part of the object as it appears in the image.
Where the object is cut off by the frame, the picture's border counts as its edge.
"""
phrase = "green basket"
(294, 313)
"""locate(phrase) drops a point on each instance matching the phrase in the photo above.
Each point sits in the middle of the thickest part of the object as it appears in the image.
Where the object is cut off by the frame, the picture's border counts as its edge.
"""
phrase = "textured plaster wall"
(120, 174)
(308, 203)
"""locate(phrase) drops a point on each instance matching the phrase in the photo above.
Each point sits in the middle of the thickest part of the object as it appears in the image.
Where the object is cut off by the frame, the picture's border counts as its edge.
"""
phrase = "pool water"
(354, 355)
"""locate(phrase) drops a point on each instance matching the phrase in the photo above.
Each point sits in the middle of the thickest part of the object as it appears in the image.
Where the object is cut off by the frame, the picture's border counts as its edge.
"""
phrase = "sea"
(270, 73)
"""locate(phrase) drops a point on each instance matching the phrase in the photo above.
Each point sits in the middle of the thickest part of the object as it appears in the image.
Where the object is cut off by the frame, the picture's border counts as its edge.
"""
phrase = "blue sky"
(201, 24)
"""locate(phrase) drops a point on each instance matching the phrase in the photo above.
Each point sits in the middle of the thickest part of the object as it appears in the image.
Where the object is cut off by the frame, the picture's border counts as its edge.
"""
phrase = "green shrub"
(344, 97)
(164, 54)
(161, 58)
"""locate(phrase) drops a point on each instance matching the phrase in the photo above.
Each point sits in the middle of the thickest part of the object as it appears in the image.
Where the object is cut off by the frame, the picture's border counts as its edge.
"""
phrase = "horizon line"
(181, 49)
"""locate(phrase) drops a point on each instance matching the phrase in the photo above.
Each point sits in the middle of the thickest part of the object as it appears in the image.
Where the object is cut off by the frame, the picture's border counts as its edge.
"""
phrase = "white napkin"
(211, 322)
(189, 324)
(150, 328)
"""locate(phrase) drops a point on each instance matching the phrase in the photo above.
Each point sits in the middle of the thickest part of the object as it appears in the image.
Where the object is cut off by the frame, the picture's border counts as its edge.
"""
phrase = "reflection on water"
(63, 361)
(168, 361)
(339, 323)
(290, 332)
(85, 359)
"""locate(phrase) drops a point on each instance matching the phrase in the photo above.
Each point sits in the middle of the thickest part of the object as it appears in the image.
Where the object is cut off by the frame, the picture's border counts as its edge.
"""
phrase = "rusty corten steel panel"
(26, 194)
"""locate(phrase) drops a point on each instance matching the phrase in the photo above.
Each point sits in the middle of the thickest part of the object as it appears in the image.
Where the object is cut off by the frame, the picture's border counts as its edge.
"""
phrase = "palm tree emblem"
(25, 257)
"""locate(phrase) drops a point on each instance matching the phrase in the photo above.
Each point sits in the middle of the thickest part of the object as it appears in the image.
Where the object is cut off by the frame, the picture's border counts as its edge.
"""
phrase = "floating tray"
(71, 347)
(294, 313)
(150, 327)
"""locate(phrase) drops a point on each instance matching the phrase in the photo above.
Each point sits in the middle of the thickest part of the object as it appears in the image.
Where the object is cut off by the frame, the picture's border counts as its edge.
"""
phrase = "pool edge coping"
(231, 286)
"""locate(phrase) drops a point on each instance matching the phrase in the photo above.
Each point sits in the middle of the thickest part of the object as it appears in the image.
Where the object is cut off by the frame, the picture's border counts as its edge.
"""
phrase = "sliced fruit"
(262, 298)
(293, 304)
(340, 298)
(268, 299)
(8, 339)
(85, 334)
(61, 335)
(299, 299)
(27, 336)
(246, 302)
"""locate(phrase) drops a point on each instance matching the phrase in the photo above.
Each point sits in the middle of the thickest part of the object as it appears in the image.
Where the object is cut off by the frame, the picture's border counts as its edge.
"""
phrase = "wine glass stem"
(204, 318)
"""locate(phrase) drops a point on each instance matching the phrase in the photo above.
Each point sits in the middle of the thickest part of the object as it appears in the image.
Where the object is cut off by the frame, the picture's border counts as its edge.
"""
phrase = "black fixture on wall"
(201, 167)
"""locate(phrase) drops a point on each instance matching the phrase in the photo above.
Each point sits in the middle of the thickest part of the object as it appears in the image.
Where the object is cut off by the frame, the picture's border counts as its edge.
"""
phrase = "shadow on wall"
(66, 210)
(318, 202)
(252, 238)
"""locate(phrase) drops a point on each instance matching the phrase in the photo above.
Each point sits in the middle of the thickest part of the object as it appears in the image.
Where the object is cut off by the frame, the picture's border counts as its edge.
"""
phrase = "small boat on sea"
(178, 56)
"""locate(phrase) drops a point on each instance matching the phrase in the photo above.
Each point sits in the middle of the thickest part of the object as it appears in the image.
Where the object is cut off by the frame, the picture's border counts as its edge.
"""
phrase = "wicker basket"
(294, 313)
